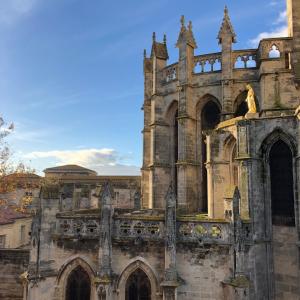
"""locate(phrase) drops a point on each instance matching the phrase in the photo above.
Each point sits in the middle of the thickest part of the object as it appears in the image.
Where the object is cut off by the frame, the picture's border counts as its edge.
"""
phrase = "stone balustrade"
(203, 232)
(207, 63)
(188, 230)
(245, 59)
(268, 49)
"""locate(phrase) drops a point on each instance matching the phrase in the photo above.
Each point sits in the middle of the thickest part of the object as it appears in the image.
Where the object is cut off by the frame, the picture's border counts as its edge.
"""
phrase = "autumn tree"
(13, 176)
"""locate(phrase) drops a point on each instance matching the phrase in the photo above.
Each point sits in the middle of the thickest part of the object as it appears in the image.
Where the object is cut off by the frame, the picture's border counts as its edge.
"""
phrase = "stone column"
(237, 287)
(187, 192)
(104, 279)
(293, 14)
(170, 282)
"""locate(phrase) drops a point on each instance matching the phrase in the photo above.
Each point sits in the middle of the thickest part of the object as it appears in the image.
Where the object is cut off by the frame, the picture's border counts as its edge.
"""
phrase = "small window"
(2, 241)
(274, 52)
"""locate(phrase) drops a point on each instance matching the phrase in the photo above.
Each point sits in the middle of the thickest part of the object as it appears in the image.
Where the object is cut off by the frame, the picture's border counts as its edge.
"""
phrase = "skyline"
(71, 73)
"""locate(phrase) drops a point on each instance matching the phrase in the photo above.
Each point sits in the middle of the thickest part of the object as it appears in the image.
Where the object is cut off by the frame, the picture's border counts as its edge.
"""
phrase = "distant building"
(80, 187)
(21, 188)
(69, 170)
(15, 228)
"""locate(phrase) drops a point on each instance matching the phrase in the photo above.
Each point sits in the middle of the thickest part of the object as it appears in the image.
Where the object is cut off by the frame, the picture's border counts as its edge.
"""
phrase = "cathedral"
(217, 214)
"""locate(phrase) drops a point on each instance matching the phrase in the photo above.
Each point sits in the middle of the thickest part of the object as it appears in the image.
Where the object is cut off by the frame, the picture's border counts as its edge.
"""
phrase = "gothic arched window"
(175, 135)
(282, 191)
(241, 105)
(78, 285)
(210, 115)
(210, 118)
(138, 286)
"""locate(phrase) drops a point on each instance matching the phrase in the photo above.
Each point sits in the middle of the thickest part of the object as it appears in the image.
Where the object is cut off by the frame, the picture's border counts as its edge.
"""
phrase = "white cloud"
(281, 18)
(105, 161)
(83, 157)
(280, 30)
(277, 32)
(12, 10)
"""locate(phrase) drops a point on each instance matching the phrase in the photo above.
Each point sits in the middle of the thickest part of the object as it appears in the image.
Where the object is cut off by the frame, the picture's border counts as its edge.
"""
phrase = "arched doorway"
(138, 286)
(210, 118)
(78, 285)
(282, 189)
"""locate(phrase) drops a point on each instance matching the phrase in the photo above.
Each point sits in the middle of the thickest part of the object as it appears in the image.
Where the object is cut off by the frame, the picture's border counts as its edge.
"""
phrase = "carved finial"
(226, 28)
(182, 21)
(145, 53)
(153, 37)
(226, 10)
(165, 39)
(186, 35)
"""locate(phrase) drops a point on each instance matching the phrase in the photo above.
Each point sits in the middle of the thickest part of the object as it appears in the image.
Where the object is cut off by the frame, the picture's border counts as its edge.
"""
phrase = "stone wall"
(285, 257)
(12, 264)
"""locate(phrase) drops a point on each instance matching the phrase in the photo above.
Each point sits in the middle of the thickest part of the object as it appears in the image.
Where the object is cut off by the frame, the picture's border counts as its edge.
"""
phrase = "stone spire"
(186, 35)
(226, 28)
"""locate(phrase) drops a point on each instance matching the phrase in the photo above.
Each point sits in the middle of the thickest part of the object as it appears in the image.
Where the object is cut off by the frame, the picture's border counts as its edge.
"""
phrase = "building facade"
(218, 215)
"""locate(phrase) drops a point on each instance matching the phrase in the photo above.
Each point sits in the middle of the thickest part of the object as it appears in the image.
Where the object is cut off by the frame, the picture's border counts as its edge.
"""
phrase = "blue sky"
(71, 71)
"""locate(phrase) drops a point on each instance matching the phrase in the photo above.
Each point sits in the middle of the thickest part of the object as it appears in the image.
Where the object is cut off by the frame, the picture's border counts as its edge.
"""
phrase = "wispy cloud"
(83, 157)
(281, 19)
(105, 161)
(12, 10)
(30, 132)
(279, 30)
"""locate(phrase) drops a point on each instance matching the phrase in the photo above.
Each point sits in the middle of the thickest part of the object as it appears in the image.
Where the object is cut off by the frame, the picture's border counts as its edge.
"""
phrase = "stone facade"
(218, 214)
(12, 263)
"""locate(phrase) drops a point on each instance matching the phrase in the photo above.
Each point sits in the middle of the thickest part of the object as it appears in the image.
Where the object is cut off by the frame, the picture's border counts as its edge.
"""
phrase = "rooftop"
(8, 215)
(70, 169)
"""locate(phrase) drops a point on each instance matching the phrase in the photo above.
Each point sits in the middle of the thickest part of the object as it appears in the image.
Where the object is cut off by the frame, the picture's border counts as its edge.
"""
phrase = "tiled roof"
(159, 50)
(69, 168)
(8, 215)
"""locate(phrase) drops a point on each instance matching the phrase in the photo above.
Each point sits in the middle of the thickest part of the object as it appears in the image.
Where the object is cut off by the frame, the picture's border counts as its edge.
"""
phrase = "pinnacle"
(226, 27)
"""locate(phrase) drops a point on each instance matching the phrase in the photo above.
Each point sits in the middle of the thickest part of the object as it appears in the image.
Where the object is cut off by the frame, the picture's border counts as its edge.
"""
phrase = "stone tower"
(293, 13)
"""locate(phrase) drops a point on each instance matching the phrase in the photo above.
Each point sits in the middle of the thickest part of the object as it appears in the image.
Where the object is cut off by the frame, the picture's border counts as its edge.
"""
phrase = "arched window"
(78, 285)
(210, 118)
(241, 107)
(210, 115)
(175, 149)
(138, 286)
(282, 191)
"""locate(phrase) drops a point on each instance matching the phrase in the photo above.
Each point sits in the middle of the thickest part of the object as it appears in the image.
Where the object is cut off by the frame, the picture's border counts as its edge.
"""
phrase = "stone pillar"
(153, 170)
(148, 88)
(104, 279)
(243, 156)
(293, 14)
(226, 37)
(238, 286)
(187, 191)
(170, 282)
(137, 200)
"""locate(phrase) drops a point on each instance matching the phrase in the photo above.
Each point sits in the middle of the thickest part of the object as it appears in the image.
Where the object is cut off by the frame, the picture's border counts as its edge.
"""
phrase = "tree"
(13, 176)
